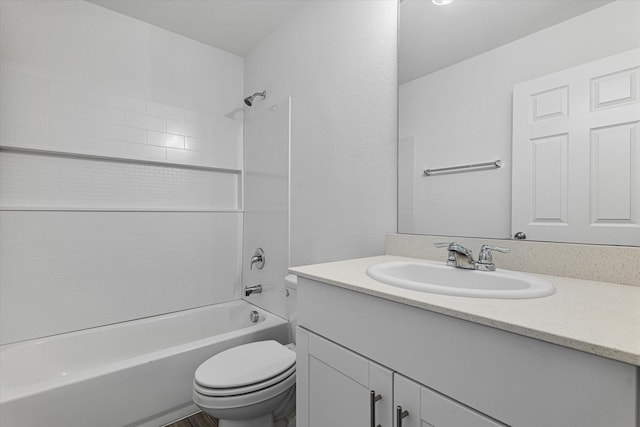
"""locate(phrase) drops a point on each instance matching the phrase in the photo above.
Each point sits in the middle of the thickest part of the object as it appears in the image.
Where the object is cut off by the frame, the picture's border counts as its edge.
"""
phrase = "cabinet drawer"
(340, 359)
(424, 407)
(440, 411)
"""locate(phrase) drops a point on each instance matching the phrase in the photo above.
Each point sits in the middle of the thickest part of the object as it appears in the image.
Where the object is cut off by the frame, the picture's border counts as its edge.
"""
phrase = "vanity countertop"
(594, 317)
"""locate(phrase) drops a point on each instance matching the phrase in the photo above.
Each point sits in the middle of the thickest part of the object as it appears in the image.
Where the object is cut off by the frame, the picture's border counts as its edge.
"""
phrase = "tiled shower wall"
(120, 169)
(55, 115)
(64, 271)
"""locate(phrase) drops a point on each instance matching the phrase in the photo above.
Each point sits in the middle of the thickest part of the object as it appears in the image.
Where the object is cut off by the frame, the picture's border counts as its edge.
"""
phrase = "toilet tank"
(291, 284)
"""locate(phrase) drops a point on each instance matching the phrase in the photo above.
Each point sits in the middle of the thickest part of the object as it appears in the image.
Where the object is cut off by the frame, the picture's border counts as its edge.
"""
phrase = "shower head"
(249, 99)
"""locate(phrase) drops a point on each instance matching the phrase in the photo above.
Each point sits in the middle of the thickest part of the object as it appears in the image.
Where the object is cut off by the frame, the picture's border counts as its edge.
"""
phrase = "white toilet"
(251, 385)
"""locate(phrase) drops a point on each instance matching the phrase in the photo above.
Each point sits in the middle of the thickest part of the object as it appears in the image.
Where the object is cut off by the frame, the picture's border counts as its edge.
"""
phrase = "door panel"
(336, 385)
(576, 154)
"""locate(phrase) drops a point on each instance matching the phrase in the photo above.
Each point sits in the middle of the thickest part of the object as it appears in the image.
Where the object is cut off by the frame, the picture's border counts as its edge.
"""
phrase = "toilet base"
(263, 421)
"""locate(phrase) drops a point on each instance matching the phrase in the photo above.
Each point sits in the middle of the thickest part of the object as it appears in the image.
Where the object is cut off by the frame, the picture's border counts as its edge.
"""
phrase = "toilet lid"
(245, 365)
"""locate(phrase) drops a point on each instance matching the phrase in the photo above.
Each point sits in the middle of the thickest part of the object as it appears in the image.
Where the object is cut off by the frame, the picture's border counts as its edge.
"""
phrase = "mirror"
(458, 65)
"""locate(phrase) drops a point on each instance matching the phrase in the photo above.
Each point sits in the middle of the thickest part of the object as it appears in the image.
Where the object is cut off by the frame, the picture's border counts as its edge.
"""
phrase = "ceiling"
(434, 37)
(235, 26)
(431, 37)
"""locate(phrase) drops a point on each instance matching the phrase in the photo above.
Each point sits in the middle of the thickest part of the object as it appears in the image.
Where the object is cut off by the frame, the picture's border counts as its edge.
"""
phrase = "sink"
(441, 279)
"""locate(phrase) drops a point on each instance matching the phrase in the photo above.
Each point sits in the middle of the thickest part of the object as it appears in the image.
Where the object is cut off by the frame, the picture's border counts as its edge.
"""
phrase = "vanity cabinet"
(426, 407)
(346, 389)
(352, 386)
(445, 371)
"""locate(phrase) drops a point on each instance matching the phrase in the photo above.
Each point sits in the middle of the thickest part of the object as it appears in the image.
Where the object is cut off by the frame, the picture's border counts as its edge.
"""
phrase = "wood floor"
(197, 420)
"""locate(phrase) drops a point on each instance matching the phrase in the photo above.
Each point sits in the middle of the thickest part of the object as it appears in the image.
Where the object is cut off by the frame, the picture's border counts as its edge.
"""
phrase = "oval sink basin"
(442, 279)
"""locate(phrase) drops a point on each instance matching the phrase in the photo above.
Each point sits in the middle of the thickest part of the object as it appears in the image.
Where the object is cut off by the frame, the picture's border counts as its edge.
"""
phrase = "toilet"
(251, 385)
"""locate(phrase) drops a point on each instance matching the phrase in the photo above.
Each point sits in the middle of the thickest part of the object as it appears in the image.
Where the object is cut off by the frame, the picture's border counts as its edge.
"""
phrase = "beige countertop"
(594, 317)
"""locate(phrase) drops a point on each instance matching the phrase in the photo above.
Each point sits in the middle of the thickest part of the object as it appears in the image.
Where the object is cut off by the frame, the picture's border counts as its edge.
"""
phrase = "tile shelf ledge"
(81, 209)
(89, 156)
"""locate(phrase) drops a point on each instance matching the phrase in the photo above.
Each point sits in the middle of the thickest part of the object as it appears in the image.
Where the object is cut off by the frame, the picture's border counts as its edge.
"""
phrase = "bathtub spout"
(255, 289)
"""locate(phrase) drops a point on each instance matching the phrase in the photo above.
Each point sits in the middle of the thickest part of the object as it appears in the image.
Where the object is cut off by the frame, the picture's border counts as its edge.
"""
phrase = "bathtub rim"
(9, 394)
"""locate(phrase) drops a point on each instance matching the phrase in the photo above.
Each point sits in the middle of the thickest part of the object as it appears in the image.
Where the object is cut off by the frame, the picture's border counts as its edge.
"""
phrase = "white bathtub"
(136, 373)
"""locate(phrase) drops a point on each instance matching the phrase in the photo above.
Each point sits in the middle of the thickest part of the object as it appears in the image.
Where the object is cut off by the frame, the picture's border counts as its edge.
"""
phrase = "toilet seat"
(246, 369)
(234, 391)
(244, 401)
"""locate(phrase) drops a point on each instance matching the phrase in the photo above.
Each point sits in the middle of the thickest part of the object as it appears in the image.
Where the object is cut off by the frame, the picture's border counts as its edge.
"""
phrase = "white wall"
(337, 61)
(462, 114)
(127, 201)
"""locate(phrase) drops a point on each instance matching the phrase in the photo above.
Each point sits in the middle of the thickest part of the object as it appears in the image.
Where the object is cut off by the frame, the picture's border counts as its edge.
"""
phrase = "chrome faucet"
(485, 259)
(258, 258)
(255, 289)
(461, 257)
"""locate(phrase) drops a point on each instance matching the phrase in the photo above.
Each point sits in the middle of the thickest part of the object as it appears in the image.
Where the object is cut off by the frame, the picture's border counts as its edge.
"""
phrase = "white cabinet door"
(419, 406)
(338, 388)
(576, 153)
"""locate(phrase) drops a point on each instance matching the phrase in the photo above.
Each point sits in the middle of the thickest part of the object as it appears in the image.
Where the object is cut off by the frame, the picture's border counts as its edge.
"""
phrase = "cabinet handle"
(372, 406)
(400, 414)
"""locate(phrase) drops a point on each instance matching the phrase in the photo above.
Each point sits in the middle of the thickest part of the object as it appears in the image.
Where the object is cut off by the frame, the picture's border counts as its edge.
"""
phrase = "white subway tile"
(23, 81)
(136, 120)
(62, 106)
(228, 131)
(198, 144)
(166, 111)
(124, 133)
(187, 129)
(24, 118)
(175, 141)
(74, 125)
(101, 114)
(114, 131)
(33, 100)
(143, 121)
(156, 138)
(100, 146)
(8, 96)
(138, 136)
(61, 89)
(145, 152)
(184, 156)
(48, 139)
(88, 95)
(196, 117)
(165, 139)
(71, 91)
(8, 133)
(116, 100)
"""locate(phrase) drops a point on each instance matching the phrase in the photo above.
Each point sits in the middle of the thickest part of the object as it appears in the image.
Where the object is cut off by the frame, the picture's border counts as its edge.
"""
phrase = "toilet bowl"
(251, 385)
(245, 385)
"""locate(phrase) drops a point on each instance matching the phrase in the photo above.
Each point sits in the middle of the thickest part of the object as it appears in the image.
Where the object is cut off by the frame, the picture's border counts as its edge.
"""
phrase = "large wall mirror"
(459, 64)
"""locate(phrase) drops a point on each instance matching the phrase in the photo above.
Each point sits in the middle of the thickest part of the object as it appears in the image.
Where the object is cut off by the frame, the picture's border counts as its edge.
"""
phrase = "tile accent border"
(613, 264)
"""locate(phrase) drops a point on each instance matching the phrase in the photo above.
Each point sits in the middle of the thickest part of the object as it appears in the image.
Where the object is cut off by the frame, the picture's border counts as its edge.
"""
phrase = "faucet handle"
(485, 257)
(258, 258)
(454, 246)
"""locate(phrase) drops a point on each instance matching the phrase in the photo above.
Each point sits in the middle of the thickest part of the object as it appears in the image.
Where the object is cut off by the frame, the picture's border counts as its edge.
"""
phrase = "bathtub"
(136, 373)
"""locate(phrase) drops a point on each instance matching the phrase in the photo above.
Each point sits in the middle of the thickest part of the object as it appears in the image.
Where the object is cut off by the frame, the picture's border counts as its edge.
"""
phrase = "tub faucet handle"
(258, 258)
